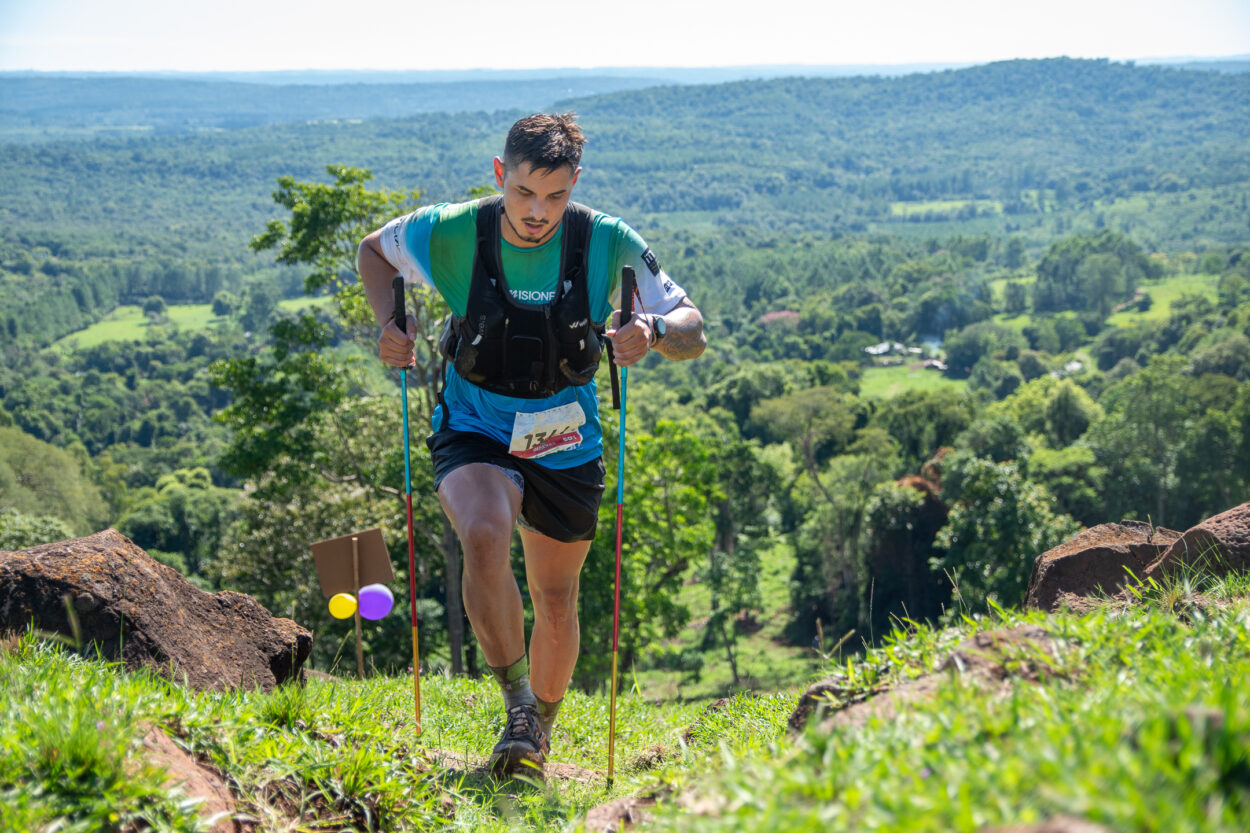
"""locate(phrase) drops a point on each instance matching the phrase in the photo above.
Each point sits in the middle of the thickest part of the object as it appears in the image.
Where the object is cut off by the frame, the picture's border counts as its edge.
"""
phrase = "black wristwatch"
(659, 328)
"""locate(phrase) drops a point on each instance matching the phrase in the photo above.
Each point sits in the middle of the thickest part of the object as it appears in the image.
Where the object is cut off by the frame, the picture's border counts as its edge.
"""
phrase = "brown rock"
(129, 606)
(620, 813)
(1217, 545)
(194, 780)
(985, 659)
(1095, 561)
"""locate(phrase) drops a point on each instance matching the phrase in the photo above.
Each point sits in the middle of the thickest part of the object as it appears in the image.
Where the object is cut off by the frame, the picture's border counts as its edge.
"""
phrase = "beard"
(528, 238)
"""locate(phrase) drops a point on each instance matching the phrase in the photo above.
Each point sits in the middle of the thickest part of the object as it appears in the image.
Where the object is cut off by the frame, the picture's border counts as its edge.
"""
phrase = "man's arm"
(684, 338)
(376, 274)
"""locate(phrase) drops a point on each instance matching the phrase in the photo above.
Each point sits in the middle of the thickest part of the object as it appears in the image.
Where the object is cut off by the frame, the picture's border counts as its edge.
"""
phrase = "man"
(529, 277)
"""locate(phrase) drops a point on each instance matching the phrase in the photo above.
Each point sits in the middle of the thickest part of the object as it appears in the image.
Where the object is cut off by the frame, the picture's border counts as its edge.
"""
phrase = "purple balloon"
(375, 601)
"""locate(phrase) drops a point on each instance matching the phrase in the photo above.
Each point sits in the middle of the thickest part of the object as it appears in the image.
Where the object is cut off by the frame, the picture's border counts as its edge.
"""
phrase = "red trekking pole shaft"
(627, 311)
(401, 321)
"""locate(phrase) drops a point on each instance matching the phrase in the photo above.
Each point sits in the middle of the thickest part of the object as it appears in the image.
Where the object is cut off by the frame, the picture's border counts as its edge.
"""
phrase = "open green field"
(998, 286)
(906, 210)
(128, 323)
(888, 382)
(1163, 293)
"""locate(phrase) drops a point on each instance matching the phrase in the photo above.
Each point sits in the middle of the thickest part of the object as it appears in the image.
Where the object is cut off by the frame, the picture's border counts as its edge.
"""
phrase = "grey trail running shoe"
(523, 748)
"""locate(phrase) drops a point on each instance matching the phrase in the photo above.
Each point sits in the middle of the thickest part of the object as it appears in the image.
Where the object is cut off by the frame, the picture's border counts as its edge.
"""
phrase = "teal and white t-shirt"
(435, 246)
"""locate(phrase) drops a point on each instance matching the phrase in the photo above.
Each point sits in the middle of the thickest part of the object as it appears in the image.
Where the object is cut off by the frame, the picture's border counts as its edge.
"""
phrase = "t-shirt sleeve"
(406, 244)
(657, 292)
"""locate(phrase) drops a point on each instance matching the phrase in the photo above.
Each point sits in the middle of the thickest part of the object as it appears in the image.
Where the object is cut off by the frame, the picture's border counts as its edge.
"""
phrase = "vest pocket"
(523, 358)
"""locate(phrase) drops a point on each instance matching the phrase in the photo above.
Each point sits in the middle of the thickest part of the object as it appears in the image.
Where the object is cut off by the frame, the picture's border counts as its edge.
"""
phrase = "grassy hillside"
(1133, 716)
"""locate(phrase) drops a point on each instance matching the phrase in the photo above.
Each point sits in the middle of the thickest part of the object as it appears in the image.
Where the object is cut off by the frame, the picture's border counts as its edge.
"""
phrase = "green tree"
(292, 406)
(185, 514)
(327, 223)
(924, 421)
(976, 341)
(1090, 272)
(816, 421)
(1015, 298)
(669, 528)
(19, 531)
(225, 303)
(1210, 481)
(994, 377)
(1069, 412)
(1139, 438)
(259, 304)
(154, 305)
(280, 399)
(39, 480)
(1075, 480)
(996, 437)
(1230, 356)
(998, 524)
(829, 581)
(745, 515)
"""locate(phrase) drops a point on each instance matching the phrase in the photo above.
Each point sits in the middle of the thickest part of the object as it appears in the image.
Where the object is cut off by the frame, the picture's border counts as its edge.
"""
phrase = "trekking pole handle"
(401, 316)
(628, 286)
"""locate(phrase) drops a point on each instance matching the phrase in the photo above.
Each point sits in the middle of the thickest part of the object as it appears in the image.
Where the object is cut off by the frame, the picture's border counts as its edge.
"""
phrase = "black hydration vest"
(527, 351)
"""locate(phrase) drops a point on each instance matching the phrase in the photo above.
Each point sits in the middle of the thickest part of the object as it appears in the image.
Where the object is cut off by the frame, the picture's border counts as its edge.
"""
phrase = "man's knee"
(486, 539)
(556, 605)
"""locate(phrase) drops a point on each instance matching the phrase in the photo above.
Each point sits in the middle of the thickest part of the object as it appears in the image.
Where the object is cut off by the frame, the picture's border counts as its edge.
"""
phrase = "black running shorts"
(560, 503)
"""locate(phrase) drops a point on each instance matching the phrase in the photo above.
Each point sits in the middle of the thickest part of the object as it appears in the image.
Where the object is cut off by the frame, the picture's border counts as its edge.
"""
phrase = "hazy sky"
(458, 34)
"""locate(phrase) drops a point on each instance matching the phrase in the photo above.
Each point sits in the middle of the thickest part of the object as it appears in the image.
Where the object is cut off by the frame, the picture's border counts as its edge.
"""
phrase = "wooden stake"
(360, 655)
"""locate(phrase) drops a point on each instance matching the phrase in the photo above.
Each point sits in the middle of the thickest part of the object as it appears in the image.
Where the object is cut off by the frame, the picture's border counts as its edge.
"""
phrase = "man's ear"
(499, 172)
(575, 173)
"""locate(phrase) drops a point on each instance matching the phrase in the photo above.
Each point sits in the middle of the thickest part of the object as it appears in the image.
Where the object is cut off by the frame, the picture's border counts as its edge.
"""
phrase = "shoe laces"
(523, 722)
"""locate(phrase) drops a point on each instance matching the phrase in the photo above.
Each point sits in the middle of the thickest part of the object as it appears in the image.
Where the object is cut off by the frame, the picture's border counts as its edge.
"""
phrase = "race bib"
(539, 434)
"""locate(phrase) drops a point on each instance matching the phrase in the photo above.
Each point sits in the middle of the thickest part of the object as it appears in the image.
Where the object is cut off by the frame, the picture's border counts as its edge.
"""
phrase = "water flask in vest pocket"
(524, 357)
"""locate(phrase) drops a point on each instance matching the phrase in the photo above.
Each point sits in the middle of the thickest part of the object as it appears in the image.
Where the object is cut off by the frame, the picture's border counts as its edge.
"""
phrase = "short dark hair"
(545, 140)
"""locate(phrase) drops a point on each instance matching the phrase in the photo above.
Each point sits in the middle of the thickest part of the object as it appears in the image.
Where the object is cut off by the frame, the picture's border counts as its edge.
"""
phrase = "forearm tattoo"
(684, 338)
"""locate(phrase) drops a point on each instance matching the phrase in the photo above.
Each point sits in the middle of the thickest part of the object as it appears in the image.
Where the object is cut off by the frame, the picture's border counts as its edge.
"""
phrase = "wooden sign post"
(348, 563)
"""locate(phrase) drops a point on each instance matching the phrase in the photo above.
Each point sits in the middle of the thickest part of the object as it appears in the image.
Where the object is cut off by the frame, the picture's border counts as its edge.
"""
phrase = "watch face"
(660, 326)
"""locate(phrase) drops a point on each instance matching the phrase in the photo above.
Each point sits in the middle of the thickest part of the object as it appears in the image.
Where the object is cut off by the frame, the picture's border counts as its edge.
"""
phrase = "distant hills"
(1000, 148)
(44, 107)
(40, 106)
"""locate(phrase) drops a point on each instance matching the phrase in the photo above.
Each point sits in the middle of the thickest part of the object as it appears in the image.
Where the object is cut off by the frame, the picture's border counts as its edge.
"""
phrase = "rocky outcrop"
(620, 813)
(1096, 561)
(1217, 545)
(193, 779)
(990, 658)
(106, 594)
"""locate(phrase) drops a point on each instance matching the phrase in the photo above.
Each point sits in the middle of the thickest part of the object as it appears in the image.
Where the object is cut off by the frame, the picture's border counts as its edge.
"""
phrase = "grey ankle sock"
(547, 713)
(514, 682)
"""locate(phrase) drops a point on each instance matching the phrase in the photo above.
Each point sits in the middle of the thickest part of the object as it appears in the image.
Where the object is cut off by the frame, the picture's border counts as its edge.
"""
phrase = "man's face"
(533, 201)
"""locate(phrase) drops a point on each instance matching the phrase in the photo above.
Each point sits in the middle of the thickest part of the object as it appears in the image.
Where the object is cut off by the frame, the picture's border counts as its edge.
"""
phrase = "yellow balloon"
(342, 605)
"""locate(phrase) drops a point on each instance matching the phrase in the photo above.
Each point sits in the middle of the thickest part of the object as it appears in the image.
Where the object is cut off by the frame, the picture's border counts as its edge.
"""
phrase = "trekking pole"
(401, 321)
(627, 310)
